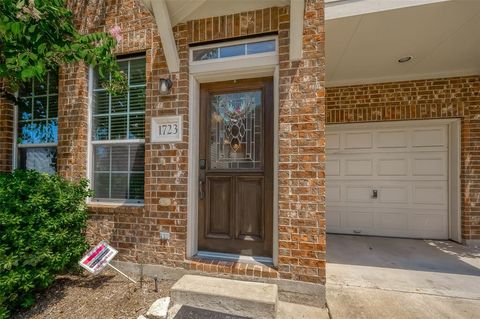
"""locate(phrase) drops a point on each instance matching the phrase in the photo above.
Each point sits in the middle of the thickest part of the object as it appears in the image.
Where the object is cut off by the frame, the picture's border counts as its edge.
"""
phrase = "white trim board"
(250, 67)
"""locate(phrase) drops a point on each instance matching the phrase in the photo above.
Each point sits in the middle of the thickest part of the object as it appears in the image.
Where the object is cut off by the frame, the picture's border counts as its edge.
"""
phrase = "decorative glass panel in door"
(236, 131)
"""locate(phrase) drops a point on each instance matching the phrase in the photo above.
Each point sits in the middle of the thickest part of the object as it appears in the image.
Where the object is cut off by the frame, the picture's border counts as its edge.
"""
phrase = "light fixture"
(405, 59)
(165, 86)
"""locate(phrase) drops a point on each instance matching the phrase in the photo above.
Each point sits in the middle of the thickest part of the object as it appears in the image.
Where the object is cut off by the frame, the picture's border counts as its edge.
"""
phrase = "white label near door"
(167, 129)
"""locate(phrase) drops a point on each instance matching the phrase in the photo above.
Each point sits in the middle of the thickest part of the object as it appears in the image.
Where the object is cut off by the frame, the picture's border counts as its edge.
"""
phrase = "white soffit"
(186, 10)
(335, 9)
(443, 38)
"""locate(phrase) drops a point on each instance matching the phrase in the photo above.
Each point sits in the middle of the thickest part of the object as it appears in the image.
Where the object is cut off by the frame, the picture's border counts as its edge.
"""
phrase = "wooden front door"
(236, 167)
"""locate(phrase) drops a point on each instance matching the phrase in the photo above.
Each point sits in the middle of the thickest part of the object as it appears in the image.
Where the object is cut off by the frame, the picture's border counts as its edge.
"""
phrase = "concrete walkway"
(374, 277)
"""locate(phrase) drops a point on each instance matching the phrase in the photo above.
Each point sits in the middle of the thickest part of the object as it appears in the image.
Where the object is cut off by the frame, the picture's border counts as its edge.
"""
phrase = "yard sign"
(98, 257)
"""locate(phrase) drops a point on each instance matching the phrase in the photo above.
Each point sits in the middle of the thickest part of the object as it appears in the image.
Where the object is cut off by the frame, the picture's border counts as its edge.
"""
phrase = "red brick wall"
(134, 230)
(301, 176)
(424, 99)
(6, 131)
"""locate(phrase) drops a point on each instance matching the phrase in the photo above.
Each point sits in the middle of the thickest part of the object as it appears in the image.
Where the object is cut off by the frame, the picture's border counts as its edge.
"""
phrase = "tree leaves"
(37, 38)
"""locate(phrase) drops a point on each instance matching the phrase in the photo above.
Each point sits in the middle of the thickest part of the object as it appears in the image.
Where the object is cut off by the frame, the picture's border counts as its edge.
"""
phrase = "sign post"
(99, 257)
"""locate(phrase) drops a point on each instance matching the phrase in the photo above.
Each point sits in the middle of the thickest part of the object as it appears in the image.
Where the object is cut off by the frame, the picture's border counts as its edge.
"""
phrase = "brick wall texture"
(134, 230)
(457, 97)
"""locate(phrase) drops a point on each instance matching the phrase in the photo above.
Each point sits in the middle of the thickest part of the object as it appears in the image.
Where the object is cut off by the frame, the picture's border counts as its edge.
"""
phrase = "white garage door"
(388, 179)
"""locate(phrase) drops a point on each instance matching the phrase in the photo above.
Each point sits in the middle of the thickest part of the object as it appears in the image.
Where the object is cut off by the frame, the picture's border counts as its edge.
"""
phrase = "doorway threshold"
(256, 260)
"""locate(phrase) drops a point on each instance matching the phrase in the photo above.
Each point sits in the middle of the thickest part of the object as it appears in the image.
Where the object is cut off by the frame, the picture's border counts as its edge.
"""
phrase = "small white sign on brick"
(167, 129)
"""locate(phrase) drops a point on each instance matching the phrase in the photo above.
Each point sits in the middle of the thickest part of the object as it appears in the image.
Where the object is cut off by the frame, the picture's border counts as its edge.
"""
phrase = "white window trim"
(91, 143)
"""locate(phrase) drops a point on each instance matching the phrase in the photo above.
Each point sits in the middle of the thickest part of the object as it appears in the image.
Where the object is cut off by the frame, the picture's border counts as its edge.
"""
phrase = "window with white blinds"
(37, 124)
(118, 137)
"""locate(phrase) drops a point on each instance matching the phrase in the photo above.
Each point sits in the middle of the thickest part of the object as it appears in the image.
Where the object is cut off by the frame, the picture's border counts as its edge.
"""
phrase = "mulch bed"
(107, 295)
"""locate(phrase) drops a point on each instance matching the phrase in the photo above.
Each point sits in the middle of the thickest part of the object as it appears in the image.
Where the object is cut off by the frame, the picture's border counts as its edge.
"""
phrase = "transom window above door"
(234, 49)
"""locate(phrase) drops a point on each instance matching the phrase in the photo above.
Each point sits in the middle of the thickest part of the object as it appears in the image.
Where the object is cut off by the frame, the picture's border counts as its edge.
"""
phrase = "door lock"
(201, 189)
(375, 194)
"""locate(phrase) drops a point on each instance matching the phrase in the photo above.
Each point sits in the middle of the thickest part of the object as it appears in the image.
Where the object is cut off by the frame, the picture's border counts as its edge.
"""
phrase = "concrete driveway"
(376, 277)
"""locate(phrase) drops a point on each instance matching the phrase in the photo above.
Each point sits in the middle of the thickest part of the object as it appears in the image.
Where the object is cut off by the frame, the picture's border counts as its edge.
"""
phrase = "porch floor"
(401, 278)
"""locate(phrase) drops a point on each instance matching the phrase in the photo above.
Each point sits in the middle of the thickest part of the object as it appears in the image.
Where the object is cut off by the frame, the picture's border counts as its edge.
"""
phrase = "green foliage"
(38, 35)
(42, 223)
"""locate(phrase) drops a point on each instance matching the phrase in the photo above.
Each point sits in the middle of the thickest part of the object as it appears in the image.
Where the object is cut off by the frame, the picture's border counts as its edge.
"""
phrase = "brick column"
(72, 121)
(301, 171)
(6, 132)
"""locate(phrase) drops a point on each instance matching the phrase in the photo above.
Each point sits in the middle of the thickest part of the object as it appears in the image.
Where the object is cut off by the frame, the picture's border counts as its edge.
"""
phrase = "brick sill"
(113, 205)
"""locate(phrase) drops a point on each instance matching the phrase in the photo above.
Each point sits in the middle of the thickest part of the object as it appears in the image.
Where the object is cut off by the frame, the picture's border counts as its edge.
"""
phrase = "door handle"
(374, 193)
(201, 189)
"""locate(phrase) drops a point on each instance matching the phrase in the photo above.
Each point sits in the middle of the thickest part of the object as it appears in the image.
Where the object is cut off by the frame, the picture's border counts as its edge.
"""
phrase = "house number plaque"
(167, 129)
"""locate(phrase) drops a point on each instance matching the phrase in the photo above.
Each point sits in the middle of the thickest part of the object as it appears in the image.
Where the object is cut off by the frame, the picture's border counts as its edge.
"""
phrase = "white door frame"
(454, 165)
(241, 68)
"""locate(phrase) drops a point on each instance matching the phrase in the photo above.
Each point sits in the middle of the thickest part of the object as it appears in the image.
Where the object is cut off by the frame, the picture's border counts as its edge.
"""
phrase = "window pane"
(100, 102)
(118, 127)
(234, 50)
(119, 103)
(137, 72)
(100, 128)
(53, 106)
(120, 158)
(124, 67)
(42, 159)
(119, 186)
(102, 158)
(260, 47)
(137, 99)
(137, 182)
(26, 89)
(40, 88)
(37, 132)
(101, 185)
(137, 158)
(39, 108)
(25, 108)
(205, 54)
(137, 126)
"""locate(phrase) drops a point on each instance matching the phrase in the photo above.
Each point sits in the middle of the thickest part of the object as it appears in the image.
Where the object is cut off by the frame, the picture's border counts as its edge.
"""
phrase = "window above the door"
(234, 49)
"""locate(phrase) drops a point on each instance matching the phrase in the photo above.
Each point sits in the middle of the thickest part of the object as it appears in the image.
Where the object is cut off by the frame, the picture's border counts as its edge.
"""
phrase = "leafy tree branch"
(37, 36)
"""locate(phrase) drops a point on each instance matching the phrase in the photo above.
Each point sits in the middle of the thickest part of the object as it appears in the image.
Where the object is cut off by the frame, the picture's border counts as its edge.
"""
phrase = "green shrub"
(42, 223)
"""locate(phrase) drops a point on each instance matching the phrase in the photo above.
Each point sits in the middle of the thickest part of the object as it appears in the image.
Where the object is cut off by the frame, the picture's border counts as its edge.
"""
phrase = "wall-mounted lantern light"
(165, 86)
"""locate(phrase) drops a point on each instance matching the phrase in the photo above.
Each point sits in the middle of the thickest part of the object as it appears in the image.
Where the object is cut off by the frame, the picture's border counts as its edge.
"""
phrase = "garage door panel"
(358, 140)
(433, 165)
(394, 194)
(333, 219)
(392, 139)
(435, 194)
(357, 220)
(407, 166)
(359, 167)
(334, 194)
(392, 167)
(427, 222)
(392, 221)
(430, 137)
(358, 194)
(332, 166)
(333, 141)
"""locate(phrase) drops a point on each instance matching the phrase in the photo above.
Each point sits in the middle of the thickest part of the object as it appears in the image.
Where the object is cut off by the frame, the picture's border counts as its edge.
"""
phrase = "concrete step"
(234, 297)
